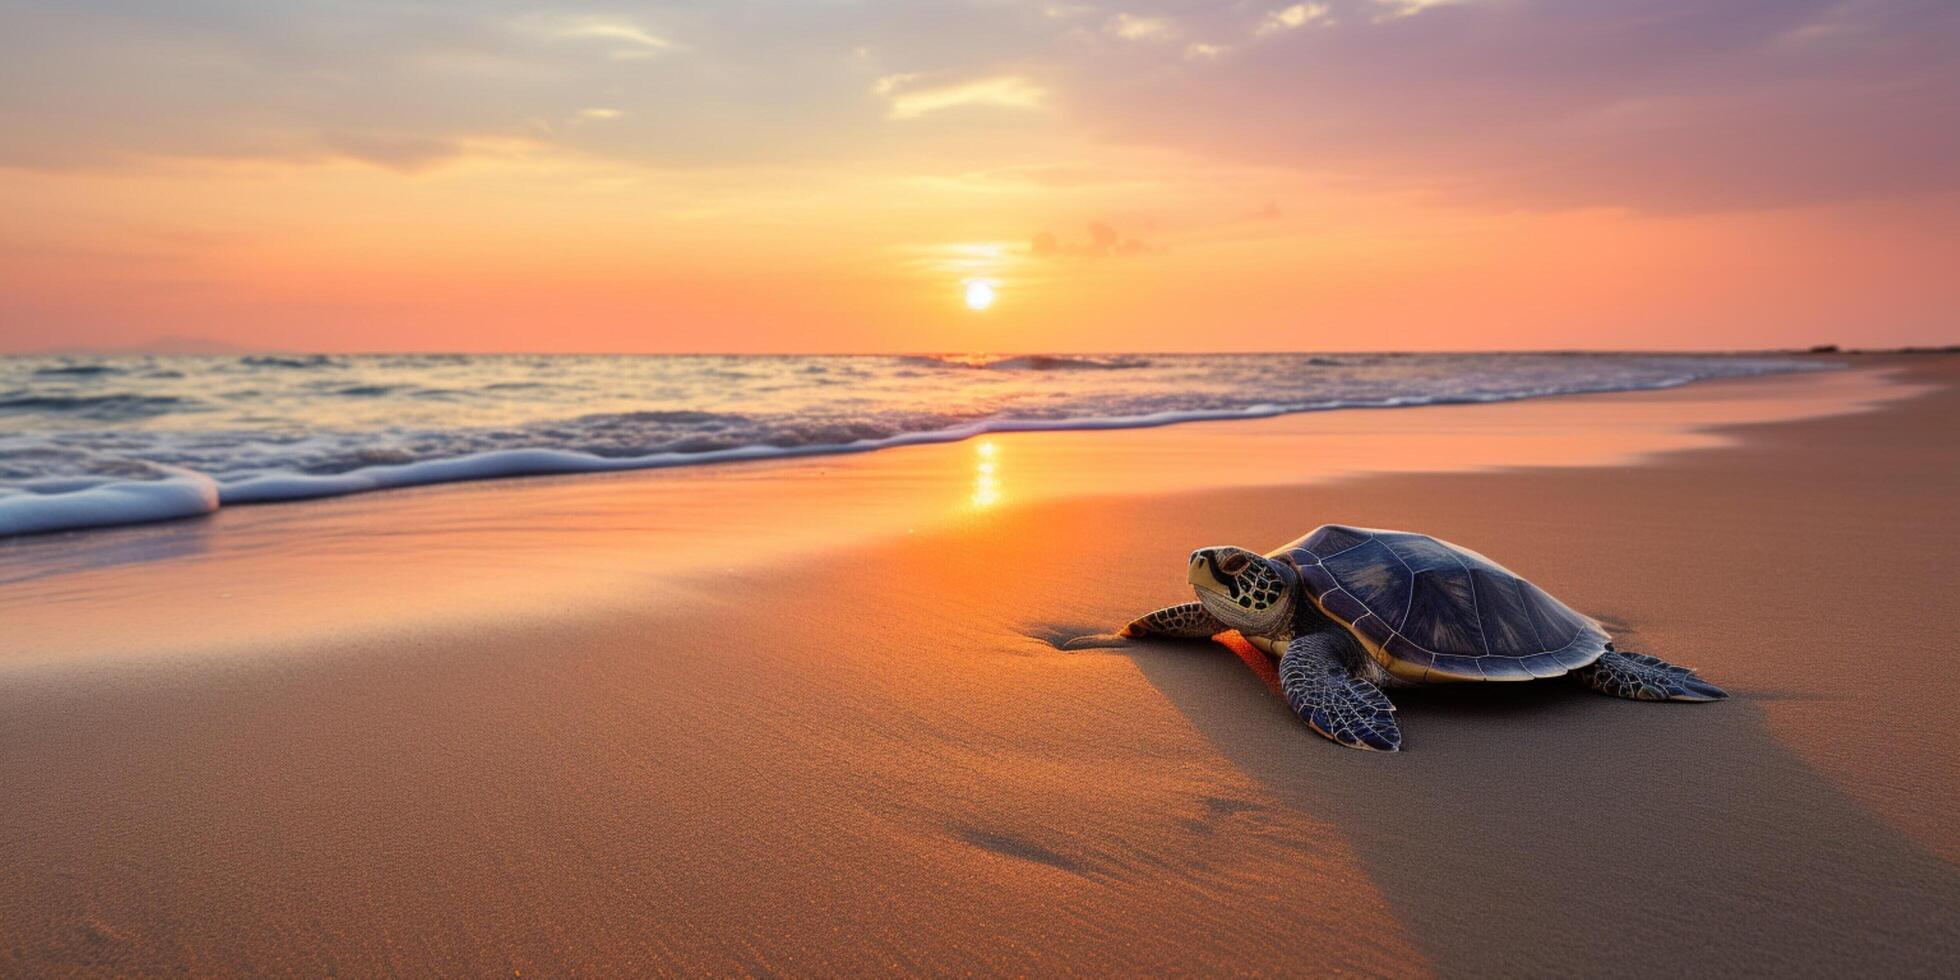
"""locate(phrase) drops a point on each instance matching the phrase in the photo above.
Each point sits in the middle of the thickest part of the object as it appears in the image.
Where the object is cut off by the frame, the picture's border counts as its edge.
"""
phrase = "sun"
(979, 294)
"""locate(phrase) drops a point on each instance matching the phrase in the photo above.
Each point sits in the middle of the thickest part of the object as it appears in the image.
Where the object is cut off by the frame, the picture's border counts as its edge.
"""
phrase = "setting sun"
(979, 294)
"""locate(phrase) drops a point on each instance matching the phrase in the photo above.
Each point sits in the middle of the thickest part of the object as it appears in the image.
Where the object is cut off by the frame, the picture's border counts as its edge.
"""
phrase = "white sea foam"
(122, 502)
(97, 441)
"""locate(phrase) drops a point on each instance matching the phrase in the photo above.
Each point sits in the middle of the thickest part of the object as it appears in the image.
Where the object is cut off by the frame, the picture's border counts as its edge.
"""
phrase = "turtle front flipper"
(1638, 677)
(1321, 687)
(1186, 620)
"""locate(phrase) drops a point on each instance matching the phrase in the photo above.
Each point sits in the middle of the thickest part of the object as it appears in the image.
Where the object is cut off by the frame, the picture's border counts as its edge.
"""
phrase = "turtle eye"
(1234, 564)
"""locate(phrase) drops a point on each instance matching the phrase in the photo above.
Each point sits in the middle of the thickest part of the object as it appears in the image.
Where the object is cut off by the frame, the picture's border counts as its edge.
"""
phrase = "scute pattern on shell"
(1432, 611)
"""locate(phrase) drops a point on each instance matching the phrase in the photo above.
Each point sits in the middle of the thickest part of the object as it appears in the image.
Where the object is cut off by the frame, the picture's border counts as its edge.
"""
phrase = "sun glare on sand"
(979, 294)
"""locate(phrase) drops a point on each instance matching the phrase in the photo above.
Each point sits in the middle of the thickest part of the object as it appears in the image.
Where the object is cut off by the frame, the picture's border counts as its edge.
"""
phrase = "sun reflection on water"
(986, 474)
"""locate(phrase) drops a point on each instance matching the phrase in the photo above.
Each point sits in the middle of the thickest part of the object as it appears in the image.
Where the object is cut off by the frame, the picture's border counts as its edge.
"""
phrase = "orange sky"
(763, 176)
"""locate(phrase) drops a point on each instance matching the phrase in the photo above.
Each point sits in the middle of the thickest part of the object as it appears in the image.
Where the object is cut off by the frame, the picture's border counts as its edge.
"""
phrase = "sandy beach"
(811, 717)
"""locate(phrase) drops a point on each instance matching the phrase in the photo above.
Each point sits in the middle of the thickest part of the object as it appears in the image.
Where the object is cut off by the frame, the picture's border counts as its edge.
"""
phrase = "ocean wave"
(1030, 362)
(107, 504)
(299, 361)
(223, 435)
(103, 408)
(76, 370)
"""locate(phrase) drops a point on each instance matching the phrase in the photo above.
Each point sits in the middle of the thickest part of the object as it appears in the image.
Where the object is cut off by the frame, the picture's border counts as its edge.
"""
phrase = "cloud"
(1103, 240)
(1132, 27)
(132, 84)
(1289, 18)
(1651, 105)
(887, 84)
(1656, 106)
(1393, 9)
(600, 28)
(599, 112)
(406, 154)
(1005, 92)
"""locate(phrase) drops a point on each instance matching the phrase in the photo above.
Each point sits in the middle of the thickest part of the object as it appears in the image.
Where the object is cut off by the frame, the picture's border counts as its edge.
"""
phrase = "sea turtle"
(1350, 610)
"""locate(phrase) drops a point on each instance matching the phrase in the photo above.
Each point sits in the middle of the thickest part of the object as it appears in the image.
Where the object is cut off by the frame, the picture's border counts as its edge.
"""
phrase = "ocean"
(98, 441)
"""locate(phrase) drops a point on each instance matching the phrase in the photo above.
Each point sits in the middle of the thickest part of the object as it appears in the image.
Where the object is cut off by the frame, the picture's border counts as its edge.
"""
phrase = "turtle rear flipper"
(1639, 677)
(1321, 687)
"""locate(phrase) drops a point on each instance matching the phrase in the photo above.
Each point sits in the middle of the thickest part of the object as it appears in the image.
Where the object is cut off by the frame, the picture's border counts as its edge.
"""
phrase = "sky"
(834, 175)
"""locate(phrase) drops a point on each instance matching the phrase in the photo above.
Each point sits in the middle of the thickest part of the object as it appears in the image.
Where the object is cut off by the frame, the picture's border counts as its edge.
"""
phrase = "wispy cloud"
(402, 153)
(1103, 241)
(1686, 106)
(1006, 92)
(1397, 9)
(625, 40)
(961, 259)
(605, 29)
(1133, 27)
(887, 84)
(1289, 18)
(1642, 104)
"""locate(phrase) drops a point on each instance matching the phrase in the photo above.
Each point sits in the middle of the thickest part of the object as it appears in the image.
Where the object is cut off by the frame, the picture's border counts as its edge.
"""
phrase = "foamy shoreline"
(472, 541)
(77, 478)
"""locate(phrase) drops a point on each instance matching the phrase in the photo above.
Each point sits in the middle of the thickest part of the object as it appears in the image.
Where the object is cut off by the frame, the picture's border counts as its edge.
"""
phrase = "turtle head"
(1248, 592)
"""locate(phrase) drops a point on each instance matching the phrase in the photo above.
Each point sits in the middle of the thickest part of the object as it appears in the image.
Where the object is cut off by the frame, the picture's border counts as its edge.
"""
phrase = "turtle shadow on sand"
(1541, 829)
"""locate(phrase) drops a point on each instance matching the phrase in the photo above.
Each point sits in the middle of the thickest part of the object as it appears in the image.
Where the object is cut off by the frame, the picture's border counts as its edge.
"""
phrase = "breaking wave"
(105, 441)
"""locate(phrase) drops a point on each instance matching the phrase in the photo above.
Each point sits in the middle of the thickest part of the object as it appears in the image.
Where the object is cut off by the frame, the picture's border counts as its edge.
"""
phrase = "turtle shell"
(1431, 611)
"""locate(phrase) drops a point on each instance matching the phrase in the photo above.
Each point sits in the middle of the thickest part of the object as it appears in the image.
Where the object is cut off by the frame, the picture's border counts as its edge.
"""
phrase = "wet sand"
(603, 726)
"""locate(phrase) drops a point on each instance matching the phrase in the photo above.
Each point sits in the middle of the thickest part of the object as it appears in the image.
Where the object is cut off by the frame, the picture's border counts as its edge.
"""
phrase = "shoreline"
(139, 581)
(181, 492)
(874, 758)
